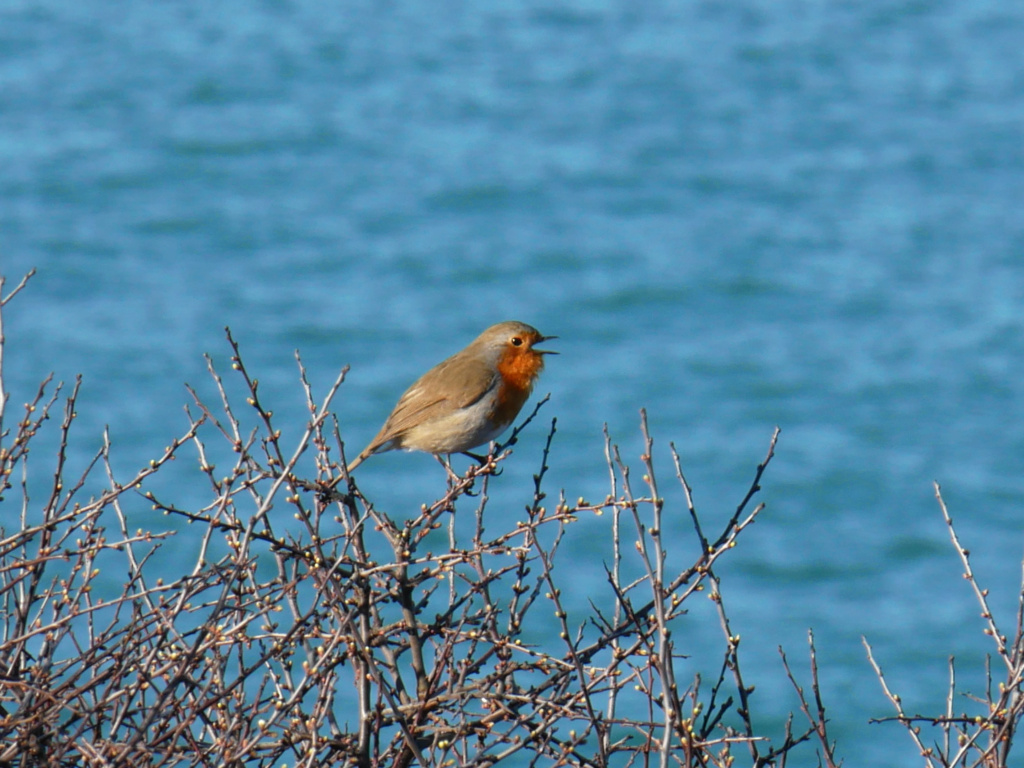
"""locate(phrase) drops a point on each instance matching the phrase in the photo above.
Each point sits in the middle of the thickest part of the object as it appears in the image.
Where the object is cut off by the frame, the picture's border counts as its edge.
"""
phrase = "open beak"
(542, 339)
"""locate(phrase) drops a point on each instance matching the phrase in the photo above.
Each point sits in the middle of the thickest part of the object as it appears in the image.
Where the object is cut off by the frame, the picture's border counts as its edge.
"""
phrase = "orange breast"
(518, 370)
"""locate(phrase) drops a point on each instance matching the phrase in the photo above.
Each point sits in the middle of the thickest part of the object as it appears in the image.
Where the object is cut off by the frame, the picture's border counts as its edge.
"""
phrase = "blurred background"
(736, 215)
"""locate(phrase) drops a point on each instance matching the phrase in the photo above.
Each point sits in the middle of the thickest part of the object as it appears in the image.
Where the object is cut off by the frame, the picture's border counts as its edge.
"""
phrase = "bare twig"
(340, 634)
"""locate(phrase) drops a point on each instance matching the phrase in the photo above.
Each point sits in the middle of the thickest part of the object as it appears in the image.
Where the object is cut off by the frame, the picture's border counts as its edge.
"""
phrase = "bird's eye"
(516, 341)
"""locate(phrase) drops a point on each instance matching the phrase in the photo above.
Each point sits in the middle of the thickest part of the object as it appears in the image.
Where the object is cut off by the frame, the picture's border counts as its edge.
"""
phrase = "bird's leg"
(329, 492)
(326, 491)
(484, 461)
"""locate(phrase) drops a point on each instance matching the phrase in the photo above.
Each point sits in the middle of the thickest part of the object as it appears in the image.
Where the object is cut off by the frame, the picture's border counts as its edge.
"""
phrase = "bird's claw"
(486, 463)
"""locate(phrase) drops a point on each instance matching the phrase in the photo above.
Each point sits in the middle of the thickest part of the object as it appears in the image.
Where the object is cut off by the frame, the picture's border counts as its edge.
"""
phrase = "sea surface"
(736, 215)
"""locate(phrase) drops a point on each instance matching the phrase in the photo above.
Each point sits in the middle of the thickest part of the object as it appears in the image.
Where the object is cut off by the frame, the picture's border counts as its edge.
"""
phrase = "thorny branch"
(983, 739)
(345, 634)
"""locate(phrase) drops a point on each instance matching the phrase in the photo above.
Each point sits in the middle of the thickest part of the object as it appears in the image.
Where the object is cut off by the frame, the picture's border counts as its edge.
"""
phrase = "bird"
(468, 399)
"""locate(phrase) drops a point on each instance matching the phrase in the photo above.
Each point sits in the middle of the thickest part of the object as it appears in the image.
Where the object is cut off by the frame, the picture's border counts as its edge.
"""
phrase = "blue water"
(735, 215)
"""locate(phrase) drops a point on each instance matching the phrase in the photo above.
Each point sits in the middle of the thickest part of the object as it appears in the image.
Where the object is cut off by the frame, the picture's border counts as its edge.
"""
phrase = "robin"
(467, 400)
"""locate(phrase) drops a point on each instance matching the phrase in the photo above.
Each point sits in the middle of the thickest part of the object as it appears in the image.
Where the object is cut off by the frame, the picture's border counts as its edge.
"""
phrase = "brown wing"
(456, 383)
